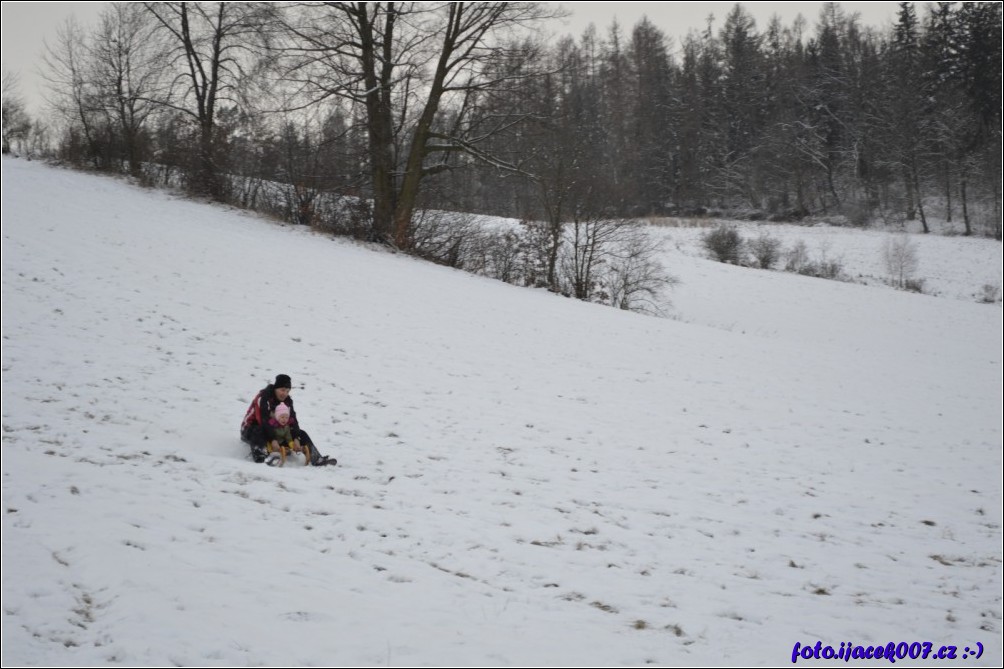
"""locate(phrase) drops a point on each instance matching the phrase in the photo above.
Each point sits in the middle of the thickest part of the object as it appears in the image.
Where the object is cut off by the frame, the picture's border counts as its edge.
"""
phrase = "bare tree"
(211, 44)
(16, 124)
(127, 61)
(591, 242)
(404, 63)
(635, 279)
(71, 91)
(900, 256)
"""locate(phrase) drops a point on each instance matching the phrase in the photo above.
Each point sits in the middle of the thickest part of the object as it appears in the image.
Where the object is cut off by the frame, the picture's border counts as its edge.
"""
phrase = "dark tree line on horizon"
(399, 108)
(781, 122)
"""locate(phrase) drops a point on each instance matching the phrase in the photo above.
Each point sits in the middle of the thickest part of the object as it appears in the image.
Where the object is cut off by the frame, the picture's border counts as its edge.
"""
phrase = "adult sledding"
(271, 430)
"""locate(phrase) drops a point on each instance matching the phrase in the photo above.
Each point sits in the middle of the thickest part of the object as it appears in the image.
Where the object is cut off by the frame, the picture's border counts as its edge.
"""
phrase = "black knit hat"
(282, 381)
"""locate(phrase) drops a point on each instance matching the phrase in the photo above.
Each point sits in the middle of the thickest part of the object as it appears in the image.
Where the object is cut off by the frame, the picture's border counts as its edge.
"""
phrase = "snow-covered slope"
(524, 479)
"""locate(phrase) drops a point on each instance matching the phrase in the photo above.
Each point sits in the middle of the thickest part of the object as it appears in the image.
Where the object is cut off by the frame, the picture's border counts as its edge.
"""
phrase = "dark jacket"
(261, 410)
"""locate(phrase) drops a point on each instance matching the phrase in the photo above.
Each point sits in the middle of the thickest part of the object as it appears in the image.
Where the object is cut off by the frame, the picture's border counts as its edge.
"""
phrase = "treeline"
(357, 116)
(781, 122)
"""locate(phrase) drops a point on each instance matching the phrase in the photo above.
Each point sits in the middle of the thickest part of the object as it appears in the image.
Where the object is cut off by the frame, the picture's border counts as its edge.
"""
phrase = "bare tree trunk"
(948, 192)
(965, 206)
(553, 212)
(414, 168)
(829, 182)
(908, 206)
(920, 199)
(208, 181)
(379, 121)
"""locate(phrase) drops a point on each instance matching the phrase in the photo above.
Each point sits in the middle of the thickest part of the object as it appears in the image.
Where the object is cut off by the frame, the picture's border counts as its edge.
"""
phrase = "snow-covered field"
(523, 479)
(949, 266)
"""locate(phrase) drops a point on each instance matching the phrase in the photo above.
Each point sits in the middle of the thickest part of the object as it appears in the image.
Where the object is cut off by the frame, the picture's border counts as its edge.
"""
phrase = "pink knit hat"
(281, 410)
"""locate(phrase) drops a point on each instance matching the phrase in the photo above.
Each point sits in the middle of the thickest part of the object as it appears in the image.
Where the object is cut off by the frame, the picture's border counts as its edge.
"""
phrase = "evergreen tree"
(653, 135)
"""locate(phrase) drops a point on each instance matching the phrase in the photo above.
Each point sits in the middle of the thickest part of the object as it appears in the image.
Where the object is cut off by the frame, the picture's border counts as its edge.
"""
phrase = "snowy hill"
(524, 479)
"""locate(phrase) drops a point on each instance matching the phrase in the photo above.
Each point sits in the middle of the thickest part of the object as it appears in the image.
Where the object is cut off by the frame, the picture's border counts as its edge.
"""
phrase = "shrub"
(346, 216)
(766, 250)
(797, 257)
(725, 244)
(991, 293)
(900, 256)
(635, 279)
(498, 254)
(798, 260)
(828, 269)
(443, 237)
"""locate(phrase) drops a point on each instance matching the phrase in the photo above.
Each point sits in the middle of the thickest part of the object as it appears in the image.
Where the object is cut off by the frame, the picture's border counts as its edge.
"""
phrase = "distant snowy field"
(523, 479)
(950, 266)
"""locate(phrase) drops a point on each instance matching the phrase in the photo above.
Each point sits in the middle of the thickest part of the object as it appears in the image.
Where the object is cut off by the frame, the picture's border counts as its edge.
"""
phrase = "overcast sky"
(27, 24)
